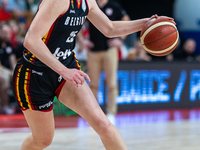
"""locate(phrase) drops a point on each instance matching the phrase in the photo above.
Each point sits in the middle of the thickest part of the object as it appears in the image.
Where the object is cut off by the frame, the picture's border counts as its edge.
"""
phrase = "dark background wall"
(185, 13)
(144, 8)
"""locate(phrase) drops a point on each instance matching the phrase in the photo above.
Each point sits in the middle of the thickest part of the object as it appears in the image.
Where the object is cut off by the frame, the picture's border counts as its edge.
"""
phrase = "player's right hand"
(75, 76)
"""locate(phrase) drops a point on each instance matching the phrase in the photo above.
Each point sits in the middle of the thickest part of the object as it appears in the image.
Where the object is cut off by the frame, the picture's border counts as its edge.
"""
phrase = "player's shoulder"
(56, 3)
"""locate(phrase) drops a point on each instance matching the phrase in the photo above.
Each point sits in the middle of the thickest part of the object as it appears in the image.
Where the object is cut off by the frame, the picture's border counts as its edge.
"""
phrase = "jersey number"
(72, 36)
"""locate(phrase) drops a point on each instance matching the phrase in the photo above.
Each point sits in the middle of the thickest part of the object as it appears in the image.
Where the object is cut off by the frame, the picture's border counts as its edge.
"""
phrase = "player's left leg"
(81, 100)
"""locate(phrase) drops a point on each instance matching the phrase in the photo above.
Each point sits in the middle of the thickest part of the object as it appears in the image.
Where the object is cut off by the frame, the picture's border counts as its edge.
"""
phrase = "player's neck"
(102, 3)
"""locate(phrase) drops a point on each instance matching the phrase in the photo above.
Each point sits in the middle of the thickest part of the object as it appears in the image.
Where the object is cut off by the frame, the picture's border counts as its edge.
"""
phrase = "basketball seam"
(160, 38)
(153, 27)
(164, 50)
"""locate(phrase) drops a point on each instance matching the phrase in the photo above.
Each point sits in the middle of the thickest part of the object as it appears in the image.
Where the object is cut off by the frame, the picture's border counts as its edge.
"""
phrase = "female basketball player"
(49, 68)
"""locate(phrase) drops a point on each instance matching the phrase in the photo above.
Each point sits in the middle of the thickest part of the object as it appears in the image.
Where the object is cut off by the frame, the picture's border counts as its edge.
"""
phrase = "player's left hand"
(154, 17)
(166, 17)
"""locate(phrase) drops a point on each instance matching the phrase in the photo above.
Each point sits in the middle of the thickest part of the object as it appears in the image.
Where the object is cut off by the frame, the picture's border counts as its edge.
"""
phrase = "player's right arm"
(49, 11)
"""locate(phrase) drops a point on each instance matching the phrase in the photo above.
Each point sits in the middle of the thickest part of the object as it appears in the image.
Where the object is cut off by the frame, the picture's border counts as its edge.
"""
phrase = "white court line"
(4, 130)
(68, 147)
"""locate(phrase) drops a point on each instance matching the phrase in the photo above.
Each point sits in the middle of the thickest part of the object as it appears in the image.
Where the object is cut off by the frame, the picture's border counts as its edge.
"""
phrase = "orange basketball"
(159, 36)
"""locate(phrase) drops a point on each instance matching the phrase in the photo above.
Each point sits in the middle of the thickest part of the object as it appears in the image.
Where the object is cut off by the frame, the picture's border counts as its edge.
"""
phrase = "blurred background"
(151, 89)
(144, 81)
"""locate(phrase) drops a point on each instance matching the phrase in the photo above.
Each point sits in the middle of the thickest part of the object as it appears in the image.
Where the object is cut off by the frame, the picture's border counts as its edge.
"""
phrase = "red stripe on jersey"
(87, 6)
(27, 88)
(49, 33)
(58, 90)
(39, 4)
(78, 3)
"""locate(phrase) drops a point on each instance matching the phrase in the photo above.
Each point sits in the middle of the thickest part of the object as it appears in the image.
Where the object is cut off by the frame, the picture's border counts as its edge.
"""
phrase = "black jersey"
(114, 12)
(61, 37)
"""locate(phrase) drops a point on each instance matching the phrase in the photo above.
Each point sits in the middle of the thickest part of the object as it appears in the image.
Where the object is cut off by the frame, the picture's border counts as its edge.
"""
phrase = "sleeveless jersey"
(61, 38)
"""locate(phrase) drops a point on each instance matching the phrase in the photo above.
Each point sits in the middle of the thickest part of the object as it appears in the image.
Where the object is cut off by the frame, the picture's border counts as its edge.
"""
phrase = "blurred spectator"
(17, 5)
(16, 8)
(14, 29)
(18, 51)
(186, 52)
(32, 5)
(122, 52)
(7, 64)
(5, 15)
(104, 55)
(138, 53)
(21, 32)
(81, 54)
(18, 32)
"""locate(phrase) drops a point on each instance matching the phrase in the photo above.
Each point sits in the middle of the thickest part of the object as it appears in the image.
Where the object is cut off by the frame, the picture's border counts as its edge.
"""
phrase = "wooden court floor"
(141, 130)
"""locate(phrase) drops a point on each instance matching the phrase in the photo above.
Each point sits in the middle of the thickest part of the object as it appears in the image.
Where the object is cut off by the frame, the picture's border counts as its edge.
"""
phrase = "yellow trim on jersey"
(45, 37)
(77, 62)
(25, 88)
(17, 87)
(79, 4)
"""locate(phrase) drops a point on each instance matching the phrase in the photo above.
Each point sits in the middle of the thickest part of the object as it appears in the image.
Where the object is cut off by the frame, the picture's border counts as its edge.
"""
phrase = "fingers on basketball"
(160, 36)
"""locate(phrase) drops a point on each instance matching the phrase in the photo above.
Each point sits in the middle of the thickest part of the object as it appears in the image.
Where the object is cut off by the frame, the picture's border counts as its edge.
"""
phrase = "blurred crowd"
(15, 19)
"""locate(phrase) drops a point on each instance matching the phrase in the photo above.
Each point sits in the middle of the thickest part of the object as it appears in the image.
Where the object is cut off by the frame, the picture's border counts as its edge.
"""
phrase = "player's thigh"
(81, 100)
(40, 123)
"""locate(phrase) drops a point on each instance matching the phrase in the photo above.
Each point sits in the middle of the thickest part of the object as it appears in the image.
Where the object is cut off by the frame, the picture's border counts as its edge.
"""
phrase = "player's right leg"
(42, 128)
(35, 99)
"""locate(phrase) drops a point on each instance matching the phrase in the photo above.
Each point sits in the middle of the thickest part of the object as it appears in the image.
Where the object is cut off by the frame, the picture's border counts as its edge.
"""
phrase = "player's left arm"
(112, 28)
(118, 42)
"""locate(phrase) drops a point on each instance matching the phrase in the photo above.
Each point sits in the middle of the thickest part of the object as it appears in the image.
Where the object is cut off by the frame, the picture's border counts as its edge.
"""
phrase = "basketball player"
(49, 68)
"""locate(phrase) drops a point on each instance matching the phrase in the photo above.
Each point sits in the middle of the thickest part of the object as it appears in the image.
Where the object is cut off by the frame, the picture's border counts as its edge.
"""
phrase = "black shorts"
(35, 87)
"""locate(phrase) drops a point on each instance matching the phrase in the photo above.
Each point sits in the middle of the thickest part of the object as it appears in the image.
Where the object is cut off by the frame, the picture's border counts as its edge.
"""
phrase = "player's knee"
(44, 141)
(103, 126)
(47, 142)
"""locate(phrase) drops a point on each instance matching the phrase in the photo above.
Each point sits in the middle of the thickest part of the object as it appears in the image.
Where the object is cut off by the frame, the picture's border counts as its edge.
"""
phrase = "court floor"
(142, 130)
